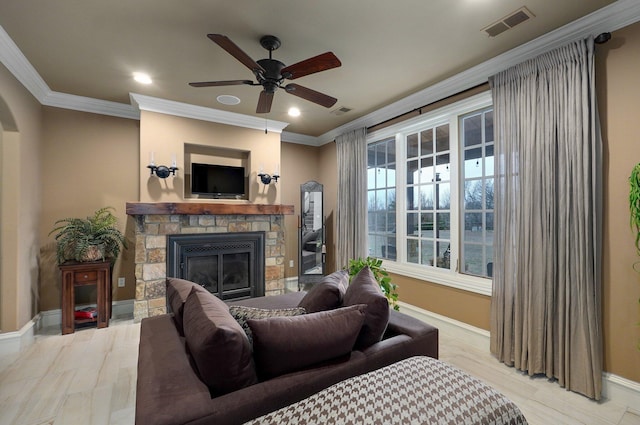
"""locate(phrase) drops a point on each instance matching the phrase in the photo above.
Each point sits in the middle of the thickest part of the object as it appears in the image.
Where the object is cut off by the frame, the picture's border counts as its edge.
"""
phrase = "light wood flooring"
(89, 377)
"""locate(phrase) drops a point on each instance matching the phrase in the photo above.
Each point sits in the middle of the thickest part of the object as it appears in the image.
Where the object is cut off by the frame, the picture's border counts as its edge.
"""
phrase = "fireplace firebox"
(229, 265)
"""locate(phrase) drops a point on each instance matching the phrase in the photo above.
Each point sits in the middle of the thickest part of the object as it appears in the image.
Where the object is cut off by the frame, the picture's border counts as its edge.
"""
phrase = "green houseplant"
(89, 239)
(634, 209)
(634, 205)
(390, 290)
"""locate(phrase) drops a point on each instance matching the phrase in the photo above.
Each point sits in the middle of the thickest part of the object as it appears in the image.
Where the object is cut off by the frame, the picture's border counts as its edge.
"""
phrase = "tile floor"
(89, 377)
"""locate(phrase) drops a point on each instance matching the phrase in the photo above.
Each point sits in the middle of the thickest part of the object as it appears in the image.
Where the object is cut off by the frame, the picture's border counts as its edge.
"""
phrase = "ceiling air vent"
(509, 21)
(341, 110)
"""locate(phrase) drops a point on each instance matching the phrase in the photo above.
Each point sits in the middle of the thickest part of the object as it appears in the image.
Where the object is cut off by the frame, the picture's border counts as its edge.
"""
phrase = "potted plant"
(89, 239)
(390, 290)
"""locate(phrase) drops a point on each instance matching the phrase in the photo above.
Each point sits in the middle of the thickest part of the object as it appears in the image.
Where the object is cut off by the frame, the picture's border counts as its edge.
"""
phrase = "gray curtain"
(545, 312)
(351, 211)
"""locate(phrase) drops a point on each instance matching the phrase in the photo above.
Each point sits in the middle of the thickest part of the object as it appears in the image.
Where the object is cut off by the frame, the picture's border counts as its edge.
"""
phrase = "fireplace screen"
(229, 265)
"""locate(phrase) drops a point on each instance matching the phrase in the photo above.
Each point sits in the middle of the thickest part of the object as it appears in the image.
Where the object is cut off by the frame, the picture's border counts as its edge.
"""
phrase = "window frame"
(449, 114)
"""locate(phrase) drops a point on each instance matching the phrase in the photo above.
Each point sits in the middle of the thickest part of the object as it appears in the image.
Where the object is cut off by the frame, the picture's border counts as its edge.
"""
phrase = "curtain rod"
(420, 108)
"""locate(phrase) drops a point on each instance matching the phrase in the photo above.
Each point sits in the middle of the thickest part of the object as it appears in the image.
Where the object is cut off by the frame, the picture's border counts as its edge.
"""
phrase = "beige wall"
(465, 306)
(300, 164)
(20, 118)
(167, 135)
(618, 63)
(91, 162)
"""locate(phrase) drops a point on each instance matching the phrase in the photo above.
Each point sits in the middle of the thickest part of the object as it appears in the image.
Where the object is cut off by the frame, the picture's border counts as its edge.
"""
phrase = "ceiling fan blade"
(311, 95)
(264, 102)
(231, 48)
(310, 66)
(221, 83)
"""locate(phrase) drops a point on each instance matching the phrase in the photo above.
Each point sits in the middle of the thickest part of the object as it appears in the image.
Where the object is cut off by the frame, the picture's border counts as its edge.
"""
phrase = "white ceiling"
(388, 50)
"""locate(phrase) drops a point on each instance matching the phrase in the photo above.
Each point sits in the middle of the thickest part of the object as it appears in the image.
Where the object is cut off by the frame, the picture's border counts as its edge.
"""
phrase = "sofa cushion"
(177, 292)
(364, 289)
(219, 346)
(327, 294)
(287, 344)
(242, 314)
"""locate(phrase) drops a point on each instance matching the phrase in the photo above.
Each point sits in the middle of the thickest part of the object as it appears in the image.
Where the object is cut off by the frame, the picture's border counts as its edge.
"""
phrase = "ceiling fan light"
(294, 112)
(142, 78)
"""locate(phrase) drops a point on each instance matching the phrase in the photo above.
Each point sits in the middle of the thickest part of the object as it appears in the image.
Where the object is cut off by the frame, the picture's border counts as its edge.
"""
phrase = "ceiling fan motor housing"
(271, 78)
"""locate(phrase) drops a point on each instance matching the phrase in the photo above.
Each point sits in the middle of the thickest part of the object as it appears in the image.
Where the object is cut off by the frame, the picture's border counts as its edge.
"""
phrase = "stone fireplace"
(155, 221)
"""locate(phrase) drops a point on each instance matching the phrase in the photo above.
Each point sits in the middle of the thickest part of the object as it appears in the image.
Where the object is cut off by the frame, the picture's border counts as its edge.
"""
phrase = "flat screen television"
(218, 181)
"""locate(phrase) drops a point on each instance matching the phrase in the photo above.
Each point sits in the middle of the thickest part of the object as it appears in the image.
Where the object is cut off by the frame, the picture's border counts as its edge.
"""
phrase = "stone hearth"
(153, 222)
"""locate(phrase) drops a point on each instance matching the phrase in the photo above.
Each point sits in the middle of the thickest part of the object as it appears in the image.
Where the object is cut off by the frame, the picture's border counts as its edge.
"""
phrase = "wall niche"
(227, 162)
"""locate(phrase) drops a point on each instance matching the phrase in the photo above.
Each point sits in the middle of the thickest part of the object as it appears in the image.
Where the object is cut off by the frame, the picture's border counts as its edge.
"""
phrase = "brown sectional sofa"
(171, 386)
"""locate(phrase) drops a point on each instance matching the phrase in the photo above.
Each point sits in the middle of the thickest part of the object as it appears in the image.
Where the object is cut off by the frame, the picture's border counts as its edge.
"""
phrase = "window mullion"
(401, 198)
(454, 147)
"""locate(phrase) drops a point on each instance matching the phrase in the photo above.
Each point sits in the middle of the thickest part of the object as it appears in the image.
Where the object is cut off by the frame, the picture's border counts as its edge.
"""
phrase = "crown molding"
(89, 104)
(301, 139)
(17, 63)
(610, 18)
(170, 107)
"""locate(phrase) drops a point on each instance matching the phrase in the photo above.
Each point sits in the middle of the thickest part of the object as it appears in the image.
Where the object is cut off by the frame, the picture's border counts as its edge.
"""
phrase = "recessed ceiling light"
(294, 112)
(142, 78)
(227, 99)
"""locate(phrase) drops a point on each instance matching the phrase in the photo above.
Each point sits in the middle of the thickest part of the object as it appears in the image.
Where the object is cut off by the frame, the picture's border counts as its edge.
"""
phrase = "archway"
(8, 134)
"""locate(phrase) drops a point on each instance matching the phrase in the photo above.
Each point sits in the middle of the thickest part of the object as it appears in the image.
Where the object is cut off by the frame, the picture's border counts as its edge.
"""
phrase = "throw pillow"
(217, 343)
(286, 344)
(327, 294)
(242, 314)
(364, 289)
(177, 292)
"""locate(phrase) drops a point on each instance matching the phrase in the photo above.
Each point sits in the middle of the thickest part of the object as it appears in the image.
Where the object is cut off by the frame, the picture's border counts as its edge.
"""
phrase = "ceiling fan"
(271, 73)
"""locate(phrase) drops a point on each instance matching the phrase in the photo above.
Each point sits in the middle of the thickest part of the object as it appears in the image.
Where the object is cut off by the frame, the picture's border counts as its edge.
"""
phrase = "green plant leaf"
(380, 274)
(634, 203)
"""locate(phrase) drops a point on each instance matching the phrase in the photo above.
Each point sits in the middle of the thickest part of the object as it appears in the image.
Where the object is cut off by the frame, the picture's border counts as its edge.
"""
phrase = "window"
(430, 195)
(381, 198)
(428, 201)
(477, 206)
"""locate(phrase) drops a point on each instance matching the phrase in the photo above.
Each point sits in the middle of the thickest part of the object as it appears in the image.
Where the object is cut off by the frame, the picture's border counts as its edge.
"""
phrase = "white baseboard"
(622, 391)
(14, 342)
(477, 337)
(619, 390)
(291, 284)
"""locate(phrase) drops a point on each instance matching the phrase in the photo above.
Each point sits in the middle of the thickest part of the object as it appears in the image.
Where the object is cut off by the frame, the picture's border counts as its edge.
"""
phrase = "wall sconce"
(267, 179)
(162, 171)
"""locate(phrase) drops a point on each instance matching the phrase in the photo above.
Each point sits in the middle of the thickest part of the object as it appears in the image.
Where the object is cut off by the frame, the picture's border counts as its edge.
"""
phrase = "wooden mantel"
(203, 208)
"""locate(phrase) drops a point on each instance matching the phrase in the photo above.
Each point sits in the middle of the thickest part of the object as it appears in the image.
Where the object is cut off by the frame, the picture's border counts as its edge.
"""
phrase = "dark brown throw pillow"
(177, 292)
(218, 344)
(286, 344)
(327, 294)
(364, 289)
(243, 313)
